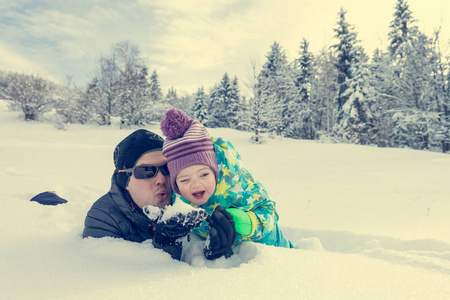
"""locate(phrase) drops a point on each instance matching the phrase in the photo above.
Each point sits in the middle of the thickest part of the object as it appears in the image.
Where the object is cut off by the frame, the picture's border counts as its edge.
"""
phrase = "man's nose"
(160, 178)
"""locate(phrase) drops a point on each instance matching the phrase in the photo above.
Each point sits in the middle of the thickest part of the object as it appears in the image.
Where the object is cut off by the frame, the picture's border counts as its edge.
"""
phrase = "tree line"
(396, 97)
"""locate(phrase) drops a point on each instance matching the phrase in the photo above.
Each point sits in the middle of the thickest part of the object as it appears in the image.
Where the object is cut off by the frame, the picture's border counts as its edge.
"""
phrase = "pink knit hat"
(187, 143)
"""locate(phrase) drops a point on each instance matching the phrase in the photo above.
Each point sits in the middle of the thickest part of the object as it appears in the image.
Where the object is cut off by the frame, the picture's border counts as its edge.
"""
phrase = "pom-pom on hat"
(187, 143)
(131, 148)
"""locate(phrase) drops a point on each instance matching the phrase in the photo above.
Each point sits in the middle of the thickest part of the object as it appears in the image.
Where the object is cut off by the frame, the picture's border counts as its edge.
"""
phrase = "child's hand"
(221, 234)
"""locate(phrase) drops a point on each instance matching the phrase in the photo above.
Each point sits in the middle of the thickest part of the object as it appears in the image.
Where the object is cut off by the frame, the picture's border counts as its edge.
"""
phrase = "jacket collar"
(127, 205)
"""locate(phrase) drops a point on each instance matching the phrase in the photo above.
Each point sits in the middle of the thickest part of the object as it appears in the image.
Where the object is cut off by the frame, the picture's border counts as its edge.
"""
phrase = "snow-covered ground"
(370, 223)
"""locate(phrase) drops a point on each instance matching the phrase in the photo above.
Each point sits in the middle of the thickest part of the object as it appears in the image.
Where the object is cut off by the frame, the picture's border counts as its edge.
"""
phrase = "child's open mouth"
(198, 195)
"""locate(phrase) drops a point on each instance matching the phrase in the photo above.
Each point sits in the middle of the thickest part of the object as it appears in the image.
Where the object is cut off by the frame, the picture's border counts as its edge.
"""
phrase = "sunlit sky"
(189, 43)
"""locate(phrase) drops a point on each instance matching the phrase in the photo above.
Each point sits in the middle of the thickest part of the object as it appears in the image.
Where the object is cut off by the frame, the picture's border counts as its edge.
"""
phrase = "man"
(140, 178)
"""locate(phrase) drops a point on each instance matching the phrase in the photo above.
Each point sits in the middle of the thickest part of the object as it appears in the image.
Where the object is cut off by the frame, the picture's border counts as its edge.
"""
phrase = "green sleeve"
(242, 221)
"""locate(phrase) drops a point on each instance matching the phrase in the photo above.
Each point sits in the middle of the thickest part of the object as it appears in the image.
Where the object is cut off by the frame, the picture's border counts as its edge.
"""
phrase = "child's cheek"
(211, 187)
(184, 192)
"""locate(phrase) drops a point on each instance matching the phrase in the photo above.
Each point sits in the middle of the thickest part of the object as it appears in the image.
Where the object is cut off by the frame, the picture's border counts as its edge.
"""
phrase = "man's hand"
(170, 229)
(222, 234)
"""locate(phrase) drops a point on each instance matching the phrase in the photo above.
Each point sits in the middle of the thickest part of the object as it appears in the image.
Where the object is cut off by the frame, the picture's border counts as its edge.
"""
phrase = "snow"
(369, 223)
(179, 207)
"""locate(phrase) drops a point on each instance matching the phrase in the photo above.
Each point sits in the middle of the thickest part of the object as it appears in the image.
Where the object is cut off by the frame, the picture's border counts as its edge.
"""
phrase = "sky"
(367, 223)
(189, 43)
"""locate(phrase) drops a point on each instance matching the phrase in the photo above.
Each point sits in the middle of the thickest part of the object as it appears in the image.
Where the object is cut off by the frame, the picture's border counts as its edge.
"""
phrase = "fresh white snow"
(369, 223)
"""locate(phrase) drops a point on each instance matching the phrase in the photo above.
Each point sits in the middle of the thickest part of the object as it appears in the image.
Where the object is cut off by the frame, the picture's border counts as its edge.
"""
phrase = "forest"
(394, 97)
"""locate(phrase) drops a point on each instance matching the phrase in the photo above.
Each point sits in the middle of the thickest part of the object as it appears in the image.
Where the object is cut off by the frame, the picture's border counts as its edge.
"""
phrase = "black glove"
(168, 231)
(222, 234)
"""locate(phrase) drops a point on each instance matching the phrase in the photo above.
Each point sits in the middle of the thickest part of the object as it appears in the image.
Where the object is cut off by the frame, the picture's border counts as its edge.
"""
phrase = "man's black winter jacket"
(116, 215)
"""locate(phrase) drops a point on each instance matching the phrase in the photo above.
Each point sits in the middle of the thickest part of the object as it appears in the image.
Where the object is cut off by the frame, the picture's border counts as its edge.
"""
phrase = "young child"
(208, 172)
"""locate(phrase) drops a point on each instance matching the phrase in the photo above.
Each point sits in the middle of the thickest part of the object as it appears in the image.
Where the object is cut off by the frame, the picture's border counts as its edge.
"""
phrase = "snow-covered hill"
(370, 223)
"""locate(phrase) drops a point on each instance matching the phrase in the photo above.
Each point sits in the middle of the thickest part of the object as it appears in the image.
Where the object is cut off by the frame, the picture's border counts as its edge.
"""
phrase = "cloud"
(11, 61)
(189, 43)
(192, 7)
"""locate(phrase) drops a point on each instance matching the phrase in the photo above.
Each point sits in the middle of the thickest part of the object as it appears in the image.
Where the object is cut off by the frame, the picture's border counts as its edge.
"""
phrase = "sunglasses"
(146, 171)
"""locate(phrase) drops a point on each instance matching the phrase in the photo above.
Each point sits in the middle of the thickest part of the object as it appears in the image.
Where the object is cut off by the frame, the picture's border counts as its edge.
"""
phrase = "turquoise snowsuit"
(237, 188)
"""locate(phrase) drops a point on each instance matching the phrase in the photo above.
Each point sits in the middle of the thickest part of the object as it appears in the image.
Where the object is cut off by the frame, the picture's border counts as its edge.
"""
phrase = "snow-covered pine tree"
(244, 115)
(346, 54)
(323, 91)
(255, 106)
(200, 107)
(446, 113)
(172, 97)
(155, 88)
(159, 104)
(224, 104)
(276, 89)
(216, 107)
(355, 97)
(257, 118)
(234, 104)
(357, 123)
(3, 84)
(415, 121)
(381, 74)
(301, 109)
(438, 94)
(402, 30)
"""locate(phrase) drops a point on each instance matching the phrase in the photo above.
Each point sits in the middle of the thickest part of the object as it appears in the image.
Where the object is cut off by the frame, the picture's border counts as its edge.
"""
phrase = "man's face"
(154, 191)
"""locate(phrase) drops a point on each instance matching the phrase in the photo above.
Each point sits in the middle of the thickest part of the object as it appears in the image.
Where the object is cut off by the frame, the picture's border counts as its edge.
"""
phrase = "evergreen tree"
(358, 123)
(221, 112)
(414, 108)
(234, 104)
(244, 115)
(172, 97)
(276, 89)
(224, 105)
(402, 29)
(3, 84)
(258, 117)
(184, 102)
(346, 55)
(355, 98)
(155, 88)
(216, 108)
(200, 107)
(323, 91)
(381, 74)
(301, 110)
(255, 106)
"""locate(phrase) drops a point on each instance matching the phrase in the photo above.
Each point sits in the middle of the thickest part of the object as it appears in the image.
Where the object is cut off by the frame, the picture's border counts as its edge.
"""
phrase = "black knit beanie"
(131, 148)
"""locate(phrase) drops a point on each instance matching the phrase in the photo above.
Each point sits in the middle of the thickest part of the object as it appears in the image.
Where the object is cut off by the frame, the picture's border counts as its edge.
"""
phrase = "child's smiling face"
(196, 183)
